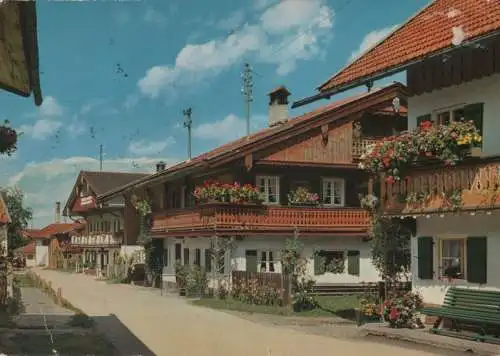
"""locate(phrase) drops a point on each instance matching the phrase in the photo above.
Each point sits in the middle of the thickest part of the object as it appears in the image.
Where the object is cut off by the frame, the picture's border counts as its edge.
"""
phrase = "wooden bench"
(473, 308)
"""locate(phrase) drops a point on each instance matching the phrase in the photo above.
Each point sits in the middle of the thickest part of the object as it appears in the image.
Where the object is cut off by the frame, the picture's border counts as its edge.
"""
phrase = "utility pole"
(187, 123)
(247, 91)
(100, 156)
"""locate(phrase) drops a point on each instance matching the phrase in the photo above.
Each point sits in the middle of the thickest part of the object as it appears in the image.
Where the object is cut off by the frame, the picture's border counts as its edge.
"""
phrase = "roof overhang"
(19, 70)
(391, 71)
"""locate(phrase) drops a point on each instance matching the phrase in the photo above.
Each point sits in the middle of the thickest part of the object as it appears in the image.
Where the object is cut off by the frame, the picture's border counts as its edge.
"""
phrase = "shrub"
(195, 281)
(400, 312)
(253, 292)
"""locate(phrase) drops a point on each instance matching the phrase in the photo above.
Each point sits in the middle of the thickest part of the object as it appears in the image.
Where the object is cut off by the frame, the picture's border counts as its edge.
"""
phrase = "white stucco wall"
(41, 254)
(485, 90)
(368, 273)
(463, 225)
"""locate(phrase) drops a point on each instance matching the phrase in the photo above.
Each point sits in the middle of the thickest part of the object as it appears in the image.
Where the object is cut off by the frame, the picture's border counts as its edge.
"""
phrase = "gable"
(324, 145)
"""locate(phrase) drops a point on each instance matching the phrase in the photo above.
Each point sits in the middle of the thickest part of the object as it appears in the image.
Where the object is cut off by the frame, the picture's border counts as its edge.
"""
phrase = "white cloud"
(261, 4)
(76, 127)
(50, 107)
(154, 17)
(370, 40)
(229, 128)
(131, 101)
(289, 31)
(148, 148)
(48, 120)
(50, 181)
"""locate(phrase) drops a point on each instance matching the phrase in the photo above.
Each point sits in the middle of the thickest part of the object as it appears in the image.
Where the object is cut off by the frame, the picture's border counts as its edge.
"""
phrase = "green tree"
(20, 216)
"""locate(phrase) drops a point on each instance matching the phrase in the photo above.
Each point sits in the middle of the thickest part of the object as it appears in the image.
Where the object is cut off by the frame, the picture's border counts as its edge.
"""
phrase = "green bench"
(479, 309)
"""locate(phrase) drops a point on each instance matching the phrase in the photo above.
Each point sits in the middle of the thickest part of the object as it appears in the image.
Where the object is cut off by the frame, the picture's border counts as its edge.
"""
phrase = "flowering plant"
(214, 191)
(369, 308)
(301, 195)
(447, 143)
(368, 201)
(8, 139)
(142, 206)
(400, 312)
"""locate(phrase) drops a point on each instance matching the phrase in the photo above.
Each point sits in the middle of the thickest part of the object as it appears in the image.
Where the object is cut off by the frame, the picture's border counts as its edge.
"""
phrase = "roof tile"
(427, 32)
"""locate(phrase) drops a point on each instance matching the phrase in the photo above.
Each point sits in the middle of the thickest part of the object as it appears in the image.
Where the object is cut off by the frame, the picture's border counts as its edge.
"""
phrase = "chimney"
(160, 166)
(278, 106)
(58, 212)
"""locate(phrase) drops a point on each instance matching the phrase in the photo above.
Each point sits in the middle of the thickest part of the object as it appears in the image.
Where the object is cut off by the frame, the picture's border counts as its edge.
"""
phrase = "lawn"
(342, 306)
(23, 280)
(64, 344)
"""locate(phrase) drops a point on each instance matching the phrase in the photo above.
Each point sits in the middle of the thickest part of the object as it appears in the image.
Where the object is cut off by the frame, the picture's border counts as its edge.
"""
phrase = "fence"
(279, 281)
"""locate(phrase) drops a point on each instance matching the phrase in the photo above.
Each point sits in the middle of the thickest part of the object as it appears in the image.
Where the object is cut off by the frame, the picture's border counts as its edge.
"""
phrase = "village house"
(111, 227)
(450, 51)
(305, 171)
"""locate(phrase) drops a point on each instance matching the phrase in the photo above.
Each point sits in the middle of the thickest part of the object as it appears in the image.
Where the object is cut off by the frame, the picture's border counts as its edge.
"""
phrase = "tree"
(20, 216)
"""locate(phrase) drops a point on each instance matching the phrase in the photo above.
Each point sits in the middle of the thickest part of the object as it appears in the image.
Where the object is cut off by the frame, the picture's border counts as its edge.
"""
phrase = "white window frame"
(268, 261)
(268, 181)
(333, 181)
(450, 110)
(441, 269)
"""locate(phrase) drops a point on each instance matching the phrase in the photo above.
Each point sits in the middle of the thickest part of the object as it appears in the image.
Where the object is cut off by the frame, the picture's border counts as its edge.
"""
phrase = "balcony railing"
(106, 239)
(472, 185)
(252, 219)
(359, 146)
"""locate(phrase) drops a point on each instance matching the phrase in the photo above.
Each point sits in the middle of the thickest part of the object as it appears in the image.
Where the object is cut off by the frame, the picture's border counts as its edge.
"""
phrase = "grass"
(342, 306)
(23, 280)
(65, 344)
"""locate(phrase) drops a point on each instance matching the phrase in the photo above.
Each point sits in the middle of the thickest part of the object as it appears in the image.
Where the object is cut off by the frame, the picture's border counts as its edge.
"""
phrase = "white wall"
(368, 273)
(486, 90)
(41, 254)
(463, 225)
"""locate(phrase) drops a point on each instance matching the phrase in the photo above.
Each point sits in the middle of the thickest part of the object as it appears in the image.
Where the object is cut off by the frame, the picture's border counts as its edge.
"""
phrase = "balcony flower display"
(214, 191)
(446, 143)
(8, 139)
(302, 196)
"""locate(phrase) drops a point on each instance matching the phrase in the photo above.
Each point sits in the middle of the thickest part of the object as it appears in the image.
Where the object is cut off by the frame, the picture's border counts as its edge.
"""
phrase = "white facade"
(463, 225)
(41, 254)
(457, 227)
(485, 90)
(270, 248)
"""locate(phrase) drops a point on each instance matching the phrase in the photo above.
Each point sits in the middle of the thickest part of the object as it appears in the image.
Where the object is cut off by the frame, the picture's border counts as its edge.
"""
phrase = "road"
(168, 325)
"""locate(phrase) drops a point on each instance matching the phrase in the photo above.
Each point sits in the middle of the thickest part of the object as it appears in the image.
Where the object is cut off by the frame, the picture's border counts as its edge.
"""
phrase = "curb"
(443, 345)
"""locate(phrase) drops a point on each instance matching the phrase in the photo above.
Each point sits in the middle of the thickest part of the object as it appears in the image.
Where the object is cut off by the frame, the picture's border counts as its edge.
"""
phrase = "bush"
(400, 312)
(195, 281)
(253, 292)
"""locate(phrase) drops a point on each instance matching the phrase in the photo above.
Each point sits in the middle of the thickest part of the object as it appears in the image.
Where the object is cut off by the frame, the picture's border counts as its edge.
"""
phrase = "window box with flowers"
(448, 143)
(217, 192)
(302, 196)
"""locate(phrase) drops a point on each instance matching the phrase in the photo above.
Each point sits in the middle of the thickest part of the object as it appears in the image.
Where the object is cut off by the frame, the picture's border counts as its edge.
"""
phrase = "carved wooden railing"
(359, 145)
(230, 217)
(472, 185)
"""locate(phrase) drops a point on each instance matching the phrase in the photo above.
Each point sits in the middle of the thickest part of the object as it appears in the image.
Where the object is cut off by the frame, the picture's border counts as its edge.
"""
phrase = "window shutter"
(477, 260)
(422, 118)
(425, 257)
(317, 264)
(474, 112)
(353, 263)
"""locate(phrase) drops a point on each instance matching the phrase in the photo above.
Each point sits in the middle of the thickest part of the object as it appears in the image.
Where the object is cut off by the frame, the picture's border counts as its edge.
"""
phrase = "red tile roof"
(53, 229)
(29, 249)
(260, 136)
(427, 32)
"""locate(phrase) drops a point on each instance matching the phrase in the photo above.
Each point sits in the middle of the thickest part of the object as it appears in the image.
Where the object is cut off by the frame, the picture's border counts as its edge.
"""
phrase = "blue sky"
(120, 73)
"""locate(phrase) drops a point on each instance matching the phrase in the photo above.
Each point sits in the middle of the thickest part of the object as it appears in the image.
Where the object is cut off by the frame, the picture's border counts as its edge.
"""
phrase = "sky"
(120, 73)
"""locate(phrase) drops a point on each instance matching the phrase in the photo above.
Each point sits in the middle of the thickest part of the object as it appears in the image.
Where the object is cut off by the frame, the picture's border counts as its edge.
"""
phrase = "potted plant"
(302, 196)
(216, 192)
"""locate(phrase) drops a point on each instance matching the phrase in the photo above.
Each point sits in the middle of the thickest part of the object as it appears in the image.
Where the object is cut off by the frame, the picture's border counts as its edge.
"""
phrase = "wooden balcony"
(472, 185)
(228, 219)
(359, 146)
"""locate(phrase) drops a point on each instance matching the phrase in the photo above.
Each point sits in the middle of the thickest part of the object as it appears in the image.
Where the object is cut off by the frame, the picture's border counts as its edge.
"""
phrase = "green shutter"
(422, 118)
(477, 260)
(317, 263)
(353, 263)
(474, 112)
(425, 257)
(208, 261)
(251, 260)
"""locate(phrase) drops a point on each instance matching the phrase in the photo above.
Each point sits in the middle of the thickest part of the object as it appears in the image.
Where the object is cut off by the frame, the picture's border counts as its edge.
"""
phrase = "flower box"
(216, 192)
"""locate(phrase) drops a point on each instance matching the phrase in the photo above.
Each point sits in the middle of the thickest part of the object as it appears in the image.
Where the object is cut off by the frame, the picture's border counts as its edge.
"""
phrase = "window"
(186, 256)
(329, 261)
(165, 257)
(333, 191)
(266, 261)
(197, 257)
(452, 258)
(178, 252)
(269, 187)
(251, 260)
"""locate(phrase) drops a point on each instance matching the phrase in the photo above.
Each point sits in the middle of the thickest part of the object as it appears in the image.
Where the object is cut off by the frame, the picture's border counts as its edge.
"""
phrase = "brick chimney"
(160, 166)
(57, 214)
(278, 106)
